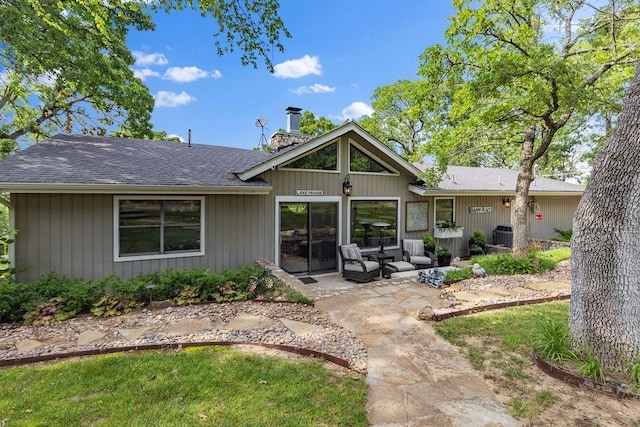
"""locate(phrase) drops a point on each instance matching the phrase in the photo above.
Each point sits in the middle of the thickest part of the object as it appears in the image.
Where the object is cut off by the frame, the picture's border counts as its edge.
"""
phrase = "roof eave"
(131, 189)
(422, 191)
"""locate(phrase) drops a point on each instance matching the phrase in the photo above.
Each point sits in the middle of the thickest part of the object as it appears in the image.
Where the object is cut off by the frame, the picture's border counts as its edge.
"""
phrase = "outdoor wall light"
(346, 186)
(506, 202)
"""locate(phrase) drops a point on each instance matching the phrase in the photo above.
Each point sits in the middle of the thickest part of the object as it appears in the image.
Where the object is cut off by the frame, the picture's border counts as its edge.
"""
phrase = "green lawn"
(200, 386)
(499, 344)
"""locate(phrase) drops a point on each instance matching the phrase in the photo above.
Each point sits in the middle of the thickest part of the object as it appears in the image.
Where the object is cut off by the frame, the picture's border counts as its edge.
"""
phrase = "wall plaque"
(480, 210)
(309, 193)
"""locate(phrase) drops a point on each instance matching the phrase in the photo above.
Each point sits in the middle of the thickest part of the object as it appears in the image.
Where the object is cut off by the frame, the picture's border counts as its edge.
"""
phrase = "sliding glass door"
(308, 237)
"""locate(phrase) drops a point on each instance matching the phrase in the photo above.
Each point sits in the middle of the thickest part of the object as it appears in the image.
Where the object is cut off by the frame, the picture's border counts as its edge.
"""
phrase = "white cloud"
(144, 73)
(189, 74)
(355, 111)
(174, 135)
(316, 88)
(171, 99)
(149, 58)
(296, 68)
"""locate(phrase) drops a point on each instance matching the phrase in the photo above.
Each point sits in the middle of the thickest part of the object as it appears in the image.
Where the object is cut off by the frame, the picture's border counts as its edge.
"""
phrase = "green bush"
(563, 235)
(458, 274)
(112, 295)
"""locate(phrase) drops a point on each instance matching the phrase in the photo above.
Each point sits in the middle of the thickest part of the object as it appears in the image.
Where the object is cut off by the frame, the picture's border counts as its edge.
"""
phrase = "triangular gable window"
(325, 159)
(361, 162)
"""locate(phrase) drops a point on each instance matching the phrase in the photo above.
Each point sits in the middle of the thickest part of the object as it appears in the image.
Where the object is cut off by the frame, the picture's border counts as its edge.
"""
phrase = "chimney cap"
(293, 109)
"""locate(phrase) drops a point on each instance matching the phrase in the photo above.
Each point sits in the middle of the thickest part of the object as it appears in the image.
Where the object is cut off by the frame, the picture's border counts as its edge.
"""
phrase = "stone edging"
(575, 380)
(18, 361)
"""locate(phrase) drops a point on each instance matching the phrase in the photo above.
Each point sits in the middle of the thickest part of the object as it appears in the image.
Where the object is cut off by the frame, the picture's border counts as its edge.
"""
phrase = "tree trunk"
(520, 204)
(605, 292)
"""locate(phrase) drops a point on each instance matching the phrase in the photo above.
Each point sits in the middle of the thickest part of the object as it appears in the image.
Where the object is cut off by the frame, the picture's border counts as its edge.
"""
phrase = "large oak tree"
(65, 66)
(518, 82)
(605, 293)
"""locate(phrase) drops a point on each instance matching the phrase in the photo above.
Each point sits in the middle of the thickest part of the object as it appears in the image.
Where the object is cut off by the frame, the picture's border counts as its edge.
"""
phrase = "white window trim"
(116, 229)
(393, 171)
(375, 199)
(435, 204)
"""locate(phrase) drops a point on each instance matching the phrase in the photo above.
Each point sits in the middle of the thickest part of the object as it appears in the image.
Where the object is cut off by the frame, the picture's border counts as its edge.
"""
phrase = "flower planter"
(448, 233)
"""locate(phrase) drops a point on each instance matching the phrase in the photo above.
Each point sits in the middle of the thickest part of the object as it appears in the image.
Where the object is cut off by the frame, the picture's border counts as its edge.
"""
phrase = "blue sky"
(340, 51)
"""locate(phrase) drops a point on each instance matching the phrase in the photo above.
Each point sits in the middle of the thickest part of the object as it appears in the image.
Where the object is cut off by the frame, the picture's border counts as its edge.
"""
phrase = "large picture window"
(367, 219)
(150, 228)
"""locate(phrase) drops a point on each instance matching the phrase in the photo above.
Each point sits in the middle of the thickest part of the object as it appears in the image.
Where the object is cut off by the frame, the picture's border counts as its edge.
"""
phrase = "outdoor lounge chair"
(413, 251)
(354, 267)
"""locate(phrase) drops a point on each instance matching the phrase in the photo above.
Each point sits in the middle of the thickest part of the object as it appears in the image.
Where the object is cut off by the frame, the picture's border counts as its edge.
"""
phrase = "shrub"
(552, 341)
(458, 274)
(112, 305)
(48, 311)
(563, 235)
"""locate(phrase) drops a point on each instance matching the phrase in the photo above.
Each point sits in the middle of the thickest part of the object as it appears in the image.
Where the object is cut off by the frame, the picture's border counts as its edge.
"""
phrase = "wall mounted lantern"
(346, 186)
(506, 202)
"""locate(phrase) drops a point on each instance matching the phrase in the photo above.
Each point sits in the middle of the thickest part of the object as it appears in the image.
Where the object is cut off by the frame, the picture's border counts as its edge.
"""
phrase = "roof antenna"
(189, 144)
(260, 122)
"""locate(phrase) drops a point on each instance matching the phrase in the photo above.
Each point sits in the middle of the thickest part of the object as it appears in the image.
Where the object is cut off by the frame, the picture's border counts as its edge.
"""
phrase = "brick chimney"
(292, 136)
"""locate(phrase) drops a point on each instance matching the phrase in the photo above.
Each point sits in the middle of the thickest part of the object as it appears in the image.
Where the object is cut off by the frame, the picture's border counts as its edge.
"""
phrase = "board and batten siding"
(72, 234)
(557, 212)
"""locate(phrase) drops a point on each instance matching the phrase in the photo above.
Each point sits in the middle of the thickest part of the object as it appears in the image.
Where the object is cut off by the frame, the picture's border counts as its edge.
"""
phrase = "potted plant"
(444, 256)
(477, 241)
(475, 250)
(429, 243)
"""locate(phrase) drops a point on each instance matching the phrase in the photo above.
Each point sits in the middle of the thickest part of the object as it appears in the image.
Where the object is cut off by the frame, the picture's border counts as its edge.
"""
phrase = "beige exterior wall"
(73, 234)
(557, 212)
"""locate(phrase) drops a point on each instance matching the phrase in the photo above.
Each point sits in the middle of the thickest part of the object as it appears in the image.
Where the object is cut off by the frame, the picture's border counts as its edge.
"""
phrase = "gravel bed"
(561, 273)
(62, 337)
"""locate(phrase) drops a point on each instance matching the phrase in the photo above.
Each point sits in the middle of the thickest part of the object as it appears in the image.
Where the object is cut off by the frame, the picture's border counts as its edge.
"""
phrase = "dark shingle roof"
(94, 160)
(470, 179)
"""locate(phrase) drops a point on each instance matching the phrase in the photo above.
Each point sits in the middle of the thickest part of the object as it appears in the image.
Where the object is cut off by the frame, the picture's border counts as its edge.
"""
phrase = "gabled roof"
(295, 151)
(102, 164)
(463, 180)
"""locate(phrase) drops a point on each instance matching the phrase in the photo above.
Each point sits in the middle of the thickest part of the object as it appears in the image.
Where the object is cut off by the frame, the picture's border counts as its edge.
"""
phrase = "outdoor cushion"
(352, 251)
(356, 266)
(415, 247)
(421, 260)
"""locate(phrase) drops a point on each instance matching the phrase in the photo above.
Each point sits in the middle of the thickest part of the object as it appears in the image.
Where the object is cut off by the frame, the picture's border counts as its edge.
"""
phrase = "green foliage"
(47, 311)
(166, 388)
(6, 271)
(310, 125)
(79, 77)
(458, 274)
(113, 296)
(189, 295)
(591, 366)
(507, 264)
(564, 235)
(478, 239)
(113, 305)
(442, 251)
(428, 240)
(634, 372)
(552, 341)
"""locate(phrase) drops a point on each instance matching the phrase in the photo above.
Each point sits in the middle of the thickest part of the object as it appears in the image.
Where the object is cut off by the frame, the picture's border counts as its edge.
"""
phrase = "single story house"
(90, 206)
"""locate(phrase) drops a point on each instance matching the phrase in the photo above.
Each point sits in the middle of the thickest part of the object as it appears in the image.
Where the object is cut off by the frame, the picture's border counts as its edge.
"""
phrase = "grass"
(201, 386)
(499, 343)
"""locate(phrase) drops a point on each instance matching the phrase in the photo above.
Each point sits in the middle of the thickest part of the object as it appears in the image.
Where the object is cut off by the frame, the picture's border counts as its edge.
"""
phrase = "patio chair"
(354, 267)
(413, 251)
